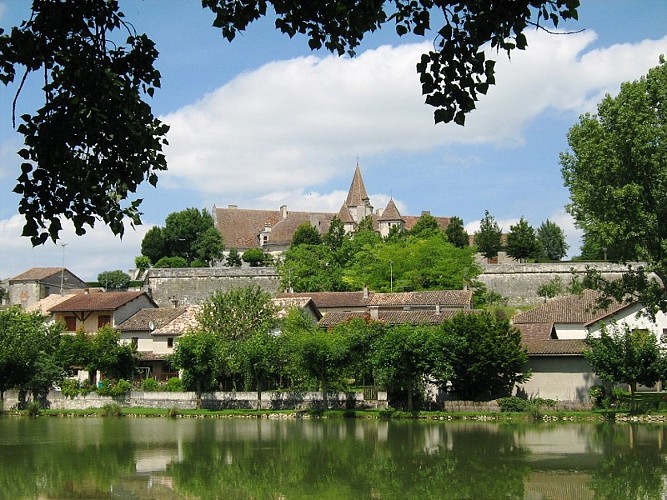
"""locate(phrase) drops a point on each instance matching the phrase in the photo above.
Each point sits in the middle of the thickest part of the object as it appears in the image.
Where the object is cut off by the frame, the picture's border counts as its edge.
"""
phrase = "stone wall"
(271, 400)
(192, 286)
(519, 282)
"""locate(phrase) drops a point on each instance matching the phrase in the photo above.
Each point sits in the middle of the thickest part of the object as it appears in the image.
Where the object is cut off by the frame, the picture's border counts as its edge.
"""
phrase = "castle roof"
(357, 194)
(390, 213)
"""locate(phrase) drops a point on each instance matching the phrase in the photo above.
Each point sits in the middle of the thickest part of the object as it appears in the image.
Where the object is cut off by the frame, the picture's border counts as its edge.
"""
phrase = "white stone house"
(555, 333)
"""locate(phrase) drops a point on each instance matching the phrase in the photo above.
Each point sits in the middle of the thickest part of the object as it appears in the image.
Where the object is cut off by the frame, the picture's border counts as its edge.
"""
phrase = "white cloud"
(86, 256)
(276, 132)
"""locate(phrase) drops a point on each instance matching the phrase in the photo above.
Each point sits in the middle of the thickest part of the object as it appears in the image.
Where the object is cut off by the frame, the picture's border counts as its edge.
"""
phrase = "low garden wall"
(270, 400)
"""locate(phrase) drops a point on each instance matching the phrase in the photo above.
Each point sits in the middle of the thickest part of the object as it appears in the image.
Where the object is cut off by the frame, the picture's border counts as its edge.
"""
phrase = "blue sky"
(263, 122)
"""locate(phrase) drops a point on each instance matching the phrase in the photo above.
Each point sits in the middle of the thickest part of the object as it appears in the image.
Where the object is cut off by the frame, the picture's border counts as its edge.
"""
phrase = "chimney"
(232, 207)
(379, 212)
(426, 212)
(174, 301)
(365, 292)
(283, 211)
(374, 312)
(437, 309)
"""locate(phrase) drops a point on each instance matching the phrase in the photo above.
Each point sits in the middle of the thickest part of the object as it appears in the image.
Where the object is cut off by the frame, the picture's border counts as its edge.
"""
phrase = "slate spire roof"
(391, 213)
(357, 194)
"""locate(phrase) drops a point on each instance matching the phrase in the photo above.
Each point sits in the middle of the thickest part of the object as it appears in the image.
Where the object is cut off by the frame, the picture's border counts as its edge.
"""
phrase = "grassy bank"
(550, 416)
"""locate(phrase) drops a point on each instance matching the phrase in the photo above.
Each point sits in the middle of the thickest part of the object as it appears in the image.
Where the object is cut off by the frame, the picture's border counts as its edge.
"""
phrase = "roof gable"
(357, 195)
(390, 213)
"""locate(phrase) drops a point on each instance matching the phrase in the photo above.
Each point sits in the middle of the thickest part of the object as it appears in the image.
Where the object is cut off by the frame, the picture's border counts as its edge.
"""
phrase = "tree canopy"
(489, 237)
(521, 241)
(617, 176)
(114, 280)
(551, 241)
(456, 233)
(95, 139)
(189, 234)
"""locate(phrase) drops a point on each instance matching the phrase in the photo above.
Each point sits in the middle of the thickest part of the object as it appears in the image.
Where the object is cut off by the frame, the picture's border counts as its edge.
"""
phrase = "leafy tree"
(171, 262)
(254, 256)
(311, 268)
(551, 240)
(425, 227)
(208, 246)
(198, 354)
(411, 264)
(142, 263)
(616, 173)
(154, 245)
(306, 234)
(336, 235)
(233, 258)
(488, 238)
(487, 356)
(114, 280)
(396, 233)
(456, 233)
(237, 313)
(258, 359)
(111, 357)
(401, 360)
(551, 288)
(521, 241)
(95, 139)
(27, 352)
(623, 355)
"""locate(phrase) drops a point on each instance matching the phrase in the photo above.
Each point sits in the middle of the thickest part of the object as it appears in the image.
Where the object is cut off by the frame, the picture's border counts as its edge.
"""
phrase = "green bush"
(174, 384)
(70, 388)
(112, 410)
(150, 385)
(121, 388)
(33, 409)
(513, 404)
(104, 387)
(597, 394)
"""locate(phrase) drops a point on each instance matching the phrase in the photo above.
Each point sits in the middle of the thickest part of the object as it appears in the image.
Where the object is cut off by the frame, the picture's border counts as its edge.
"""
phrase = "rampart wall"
(190, 286)
(519, 282)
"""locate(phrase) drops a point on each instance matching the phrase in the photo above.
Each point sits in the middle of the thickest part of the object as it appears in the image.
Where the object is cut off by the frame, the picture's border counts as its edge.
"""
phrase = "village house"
(92, 310)
(31, 286)
(555, 333)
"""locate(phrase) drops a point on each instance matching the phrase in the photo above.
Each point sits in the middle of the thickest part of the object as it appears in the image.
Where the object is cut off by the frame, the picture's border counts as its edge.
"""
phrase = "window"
(135, 341)
(70, 323)
(103, 320)
(170, 342)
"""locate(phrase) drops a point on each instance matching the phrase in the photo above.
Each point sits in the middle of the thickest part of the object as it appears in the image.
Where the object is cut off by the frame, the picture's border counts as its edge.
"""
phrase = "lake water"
(158, 458)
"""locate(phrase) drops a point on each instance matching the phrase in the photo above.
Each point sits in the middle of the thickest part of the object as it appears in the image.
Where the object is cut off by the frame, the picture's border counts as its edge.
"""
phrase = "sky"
(263, 122)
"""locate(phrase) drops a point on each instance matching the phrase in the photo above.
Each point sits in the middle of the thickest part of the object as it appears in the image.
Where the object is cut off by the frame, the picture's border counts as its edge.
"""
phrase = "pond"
(145, 458)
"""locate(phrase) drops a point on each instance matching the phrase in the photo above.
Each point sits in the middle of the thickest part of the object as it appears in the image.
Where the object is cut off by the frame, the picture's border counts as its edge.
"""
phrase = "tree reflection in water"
(244, 458)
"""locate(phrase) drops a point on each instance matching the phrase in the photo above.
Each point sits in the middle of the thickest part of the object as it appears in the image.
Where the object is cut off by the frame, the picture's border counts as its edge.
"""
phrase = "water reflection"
(200, 458)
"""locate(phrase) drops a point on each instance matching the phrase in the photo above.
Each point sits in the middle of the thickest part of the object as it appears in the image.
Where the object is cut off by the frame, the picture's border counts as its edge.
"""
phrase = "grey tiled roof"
(571, 309)
(324, 300)
(37, 274)
(160, 317)
(447, 298)
(395, 317)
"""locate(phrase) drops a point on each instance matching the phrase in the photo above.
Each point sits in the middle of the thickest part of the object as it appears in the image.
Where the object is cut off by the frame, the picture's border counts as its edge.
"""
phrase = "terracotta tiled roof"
(37, 274)
(556, 347)
(160, 317)
(390, 213)
(395, 317)
(324, 300)
(357, 194)
(344, 215)
(44, 305)
(181, 324)
(533, 332)
(284, 304)
(240, 227)
(411, 220)
(283, 232)
(103, 301)
(571, 309)
(447, 298)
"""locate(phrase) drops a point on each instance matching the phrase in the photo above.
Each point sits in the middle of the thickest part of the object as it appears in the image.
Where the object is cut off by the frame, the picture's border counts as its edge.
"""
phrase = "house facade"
(91, 311)
(37, 283)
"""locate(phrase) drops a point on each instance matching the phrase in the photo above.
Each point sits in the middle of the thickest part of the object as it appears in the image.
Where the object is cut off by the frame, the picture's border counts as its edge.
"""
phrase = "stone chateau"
(272, 230)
